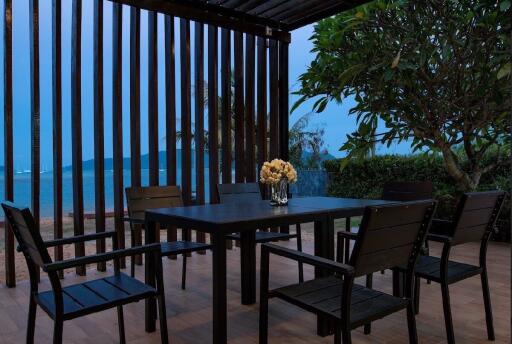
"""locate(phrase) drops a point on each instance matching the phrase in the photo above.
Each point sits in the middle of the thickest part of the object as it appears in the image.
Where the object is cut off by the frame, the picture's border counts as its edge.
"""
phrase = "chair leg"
(164, 336)
(487, 304)
(31, 326)
(120, 320)
(57, 331)
(340, 252)
(416, 296)
(411, 324)
(369, 284)
(450, 336)
(184, 272)
(299, 248)
(337, 335)
(132, 258)
(346, 336)
(263, 326)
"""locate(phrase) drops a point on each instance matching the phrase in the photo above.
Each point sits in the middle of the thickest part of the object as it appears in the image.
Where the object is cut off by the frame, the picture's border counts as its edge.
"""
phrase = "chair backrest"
(29, 239)
(476, 216)
(239, 192)
(407, 191)
(391, 236)
(140, 199)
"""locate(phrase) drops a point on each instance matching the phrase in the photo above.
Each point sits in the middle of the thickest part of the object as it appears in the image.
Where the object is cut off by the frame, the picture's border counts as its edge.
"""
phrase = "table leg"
(149, 269)
(398, 283)
(219, 288)
(248, 266)
(324, 247)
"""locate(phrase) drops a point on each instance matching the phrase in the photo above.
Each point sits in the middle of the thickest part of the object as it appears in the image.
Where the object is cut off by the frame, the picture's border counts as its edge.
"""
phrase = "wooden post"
(153, 97)
(10, 268)
(117, 120)
(239, 107)
(250, 157)
(261, 109)
(213, 112)
(99, 136)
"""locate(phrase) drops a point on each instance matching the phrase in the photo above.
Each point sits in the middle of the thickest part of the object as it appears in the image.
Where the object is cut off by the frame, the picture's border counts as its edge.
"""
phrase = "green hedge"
(365, 179)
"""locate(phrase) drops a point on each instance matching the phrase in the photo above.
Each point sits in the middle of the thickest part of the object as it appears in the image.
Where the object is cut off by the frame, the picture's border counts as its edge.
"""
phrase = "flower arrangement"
(276, 170)
(278, 174)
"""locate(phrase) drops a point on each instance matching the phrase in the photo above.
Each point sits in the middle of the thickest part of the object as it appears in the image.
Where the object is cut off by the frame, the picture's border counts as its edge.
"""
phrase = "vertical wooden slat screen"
(135, 164)
(170, 110)
(186, 141)
(245, 97)
(10, 269)
(226, 104)
(274, 99)
(213, 112)
(153, 97)
(117, 122)
(99, 129)
(239, 106)
(199, 117)
(261, 109)
(57, 125)
(250, 157)
(35, 109)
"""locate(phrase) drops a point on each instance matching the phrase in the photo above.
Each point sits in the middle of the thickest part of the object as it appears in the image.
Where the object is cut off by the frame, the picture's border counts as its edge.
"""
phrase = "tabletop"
(259, 214)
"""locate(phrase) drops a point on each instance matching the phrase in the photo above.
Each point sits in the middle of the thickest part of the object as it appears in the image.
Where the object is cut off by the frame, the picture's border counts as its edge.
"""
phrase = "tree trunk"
(464, 180)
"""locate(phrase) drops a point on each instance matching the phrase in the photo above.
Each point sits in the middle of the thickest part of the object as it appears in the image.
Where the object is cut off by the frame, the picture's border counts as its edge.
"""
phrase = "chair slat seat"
(263, 237)
(323, 296)
(96, 295)
(429, 267)
(182, 247)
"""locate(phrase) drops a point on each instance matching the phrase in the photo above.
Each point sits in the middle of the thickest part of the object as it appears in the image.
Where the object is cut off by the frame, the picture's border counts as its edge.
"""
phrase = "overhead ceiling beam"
(213, 14)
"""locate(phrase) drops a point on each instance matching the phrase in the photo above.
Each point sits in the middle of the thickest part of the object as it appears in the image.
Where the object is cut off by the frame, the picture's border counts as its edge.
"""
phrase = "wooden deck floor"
(189, 312)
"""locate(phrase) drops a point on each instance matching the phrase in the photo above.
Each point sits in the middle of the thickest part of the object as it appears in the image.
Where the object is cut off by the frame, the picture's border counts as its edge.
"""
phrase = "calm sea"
(22, 189)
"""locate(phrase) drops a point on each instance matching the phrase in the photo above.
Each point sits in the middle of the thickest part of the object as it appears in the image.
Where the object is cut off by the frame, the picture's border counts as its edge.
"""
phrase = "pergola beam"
(214, 15)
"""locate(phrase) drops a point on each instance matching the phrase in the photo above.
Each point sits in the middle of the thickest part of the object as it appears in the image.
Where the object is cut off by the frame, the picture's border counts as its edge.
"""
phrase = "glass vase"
(279, 193)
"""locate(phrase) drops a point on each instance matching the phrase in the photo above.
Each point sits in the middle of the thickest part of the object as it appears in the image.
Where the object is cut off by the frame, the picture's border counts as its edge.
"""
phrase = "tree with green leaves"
(434, 73)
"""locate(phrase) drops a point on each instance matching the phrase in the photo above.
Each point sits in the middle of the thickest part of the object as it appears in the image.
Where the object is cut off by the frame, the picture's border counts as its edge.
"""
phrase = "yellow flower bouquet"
(278, 174)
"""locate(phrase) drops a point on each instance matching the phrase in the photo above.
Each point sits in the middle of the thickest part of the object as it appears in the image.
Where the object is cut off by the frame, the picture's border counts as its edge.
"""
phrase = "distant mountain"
(88, 165)
(144, 161)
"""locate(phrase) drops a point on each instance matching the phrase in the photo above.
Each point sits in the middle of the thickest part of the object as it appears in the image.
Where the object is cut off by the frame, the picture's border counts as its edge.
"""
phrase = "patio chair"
(66, 303)
(389, 236)
(394, 191)
(140, 199)
(474, 221)
(243, 192)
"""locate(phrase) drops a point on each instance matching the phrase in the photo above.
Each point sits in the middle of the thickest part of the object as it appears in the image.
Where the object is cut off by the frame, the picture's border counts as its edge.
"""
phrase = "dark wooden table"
(245, 218)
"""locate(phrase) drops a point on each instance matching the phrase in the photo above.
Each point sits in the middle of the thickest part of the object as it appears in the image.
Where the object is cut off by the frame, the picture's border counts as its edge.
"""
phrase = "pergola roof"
(269, 18)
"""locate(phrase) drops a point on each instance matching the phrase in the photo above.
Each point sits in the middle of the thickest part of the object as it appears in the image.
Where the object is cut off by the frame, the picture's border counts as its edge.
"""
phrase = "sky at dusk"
(335, 118)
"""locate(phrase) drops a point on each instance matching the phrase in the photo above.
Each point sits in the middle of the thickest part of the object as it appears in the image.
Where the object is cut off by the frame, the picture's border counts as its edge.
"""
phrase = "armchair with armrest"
(70, 302)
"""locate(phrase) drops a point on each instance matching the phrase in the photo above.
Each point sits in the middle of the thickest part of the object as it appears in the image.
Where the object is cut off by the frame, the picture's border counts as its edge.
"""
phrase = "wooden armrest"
(307, 258)
(347, 235)
(79, 238)
(101, 257)
(439, 238)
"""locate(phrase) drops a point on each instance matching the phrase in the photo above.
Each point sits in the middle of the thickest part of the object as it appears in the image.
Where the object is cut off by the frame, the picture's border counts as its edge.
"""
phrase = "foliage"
(433, 73)
(366, 178)
(302, 139)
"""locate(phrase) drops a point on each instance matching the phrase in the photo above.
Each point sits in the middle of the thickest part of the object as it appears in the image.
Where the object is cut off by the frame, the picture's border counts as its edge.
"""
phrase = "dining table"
(245, 218)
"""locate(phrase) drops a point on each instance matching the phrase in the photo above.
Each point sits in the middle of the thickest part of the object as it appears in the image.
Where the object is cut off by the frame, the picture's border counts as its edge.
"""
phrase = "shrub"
(366, 178)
